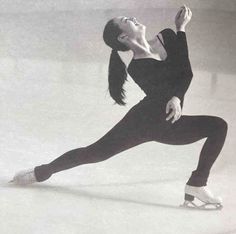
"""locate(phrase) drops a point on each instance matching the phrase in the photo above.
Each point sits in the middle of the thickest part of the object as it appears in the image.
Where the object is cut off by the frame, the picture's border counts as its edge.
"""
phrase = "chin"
(141, 25)
(142, 28)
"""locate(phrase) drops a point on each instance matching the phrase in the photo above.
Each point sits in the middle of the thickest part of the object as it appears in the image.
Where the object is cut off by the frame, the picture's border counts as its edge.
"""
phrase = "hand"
(182, 17)
(174, 104)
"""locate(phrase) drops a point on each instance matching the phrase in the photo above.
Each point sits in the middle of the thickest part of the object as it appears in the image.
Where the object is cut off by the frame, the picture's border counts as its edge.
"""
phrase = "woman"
(162, 69)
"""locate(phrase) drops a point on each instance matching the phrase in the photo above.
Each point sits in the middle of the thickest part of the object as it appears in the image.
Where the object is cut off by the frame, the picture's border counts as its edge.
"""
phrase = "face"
(130, 27)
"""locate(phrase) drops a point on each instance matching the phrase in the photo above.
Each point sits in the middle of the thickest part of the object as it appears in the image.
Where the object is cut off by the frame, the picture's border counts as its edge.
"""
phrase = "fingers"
(167, 108)
(190, 13)
(176, 117)
(176, 110)
(178, 14)
(186, 10)
(183, 11)
(176, 114)
(170, 115)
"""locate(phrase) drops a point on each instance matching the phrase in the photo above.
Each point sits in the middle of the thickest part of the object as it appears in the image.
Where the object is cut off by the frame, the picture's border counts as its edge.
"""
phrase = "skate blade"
(205, 206)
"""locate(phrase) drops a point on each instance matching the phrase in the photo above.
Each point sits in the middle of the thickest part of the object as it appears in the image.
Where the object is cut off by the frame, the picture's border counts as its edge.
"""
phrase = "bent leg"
(189, 129)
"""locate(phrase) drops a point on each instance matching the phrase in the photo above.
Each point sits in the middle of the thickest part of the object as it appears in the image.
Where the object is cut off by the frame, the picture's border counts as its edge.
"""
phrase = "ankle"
(42, 172)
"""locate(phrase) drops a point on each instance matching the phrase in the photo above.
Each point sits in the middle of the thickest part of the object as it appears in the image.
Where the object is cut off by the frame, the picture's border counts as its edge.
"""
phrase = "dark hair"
(117, 71)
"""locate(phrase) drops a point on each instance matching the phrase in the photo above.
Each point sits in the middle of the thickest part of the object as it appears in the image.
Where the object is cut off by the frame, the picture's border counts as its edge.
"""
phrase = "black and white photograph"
(117, 116)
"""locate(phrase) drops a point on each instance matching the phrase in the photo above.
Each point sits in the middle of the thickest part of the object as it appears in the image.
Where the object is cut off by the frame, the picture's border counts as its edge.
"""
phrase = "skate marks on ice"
(94, 195)
(88, 194)
(115, 184)
(126, 184)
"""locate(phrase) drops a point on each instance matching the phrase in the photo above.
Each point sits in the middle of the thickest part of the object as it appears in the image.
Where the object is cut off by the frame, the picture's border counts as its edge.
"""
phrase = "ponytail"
(117, 71)
(117, 76)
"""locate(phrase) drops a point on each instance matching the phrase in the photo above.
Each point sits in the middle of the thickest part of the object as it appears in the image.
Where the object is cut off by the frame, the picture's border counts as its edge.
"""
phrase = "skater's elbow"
(188, 74)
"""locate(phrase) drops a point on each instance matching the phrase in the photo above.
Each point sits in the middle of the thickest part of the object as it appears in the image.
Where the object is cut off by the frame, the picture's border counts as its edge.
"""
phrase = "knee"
(221, 125)
(224, 125)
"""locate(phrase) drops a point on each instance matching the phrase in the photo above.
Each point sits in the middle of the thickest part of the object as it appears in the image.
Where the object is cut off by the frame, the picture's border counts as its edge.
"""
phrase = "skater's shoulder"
(168, 34)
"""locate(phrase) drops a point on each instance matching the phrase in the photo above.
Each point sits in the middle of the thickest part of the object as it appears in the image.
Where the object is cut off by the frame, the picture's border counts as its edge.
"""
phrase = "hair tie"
(114, 51)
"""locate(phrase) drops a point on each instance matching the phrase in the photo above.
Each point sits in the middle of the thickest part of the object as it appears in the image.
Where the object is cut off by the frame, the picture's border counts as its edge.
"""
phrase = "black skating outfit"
(146, 121)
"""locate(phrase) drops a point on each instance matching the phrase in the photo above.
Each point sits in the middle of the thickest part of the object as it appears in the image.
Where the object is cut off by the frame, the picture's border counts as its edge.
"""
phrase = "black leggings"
(143, 123)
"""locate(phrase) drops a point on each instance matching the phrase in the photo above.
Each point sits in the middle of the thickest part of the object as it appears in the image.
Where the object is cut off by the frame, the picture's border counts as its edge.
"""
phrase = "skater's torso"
(158, 78)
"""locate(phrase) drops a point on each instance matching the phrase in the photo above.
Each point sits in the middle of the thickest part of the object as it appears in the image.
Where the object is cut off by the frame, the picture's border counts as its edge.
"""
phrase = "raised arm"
(181, 56)
(181, 53)
(184, 66)
(182, 18)
(182, 45)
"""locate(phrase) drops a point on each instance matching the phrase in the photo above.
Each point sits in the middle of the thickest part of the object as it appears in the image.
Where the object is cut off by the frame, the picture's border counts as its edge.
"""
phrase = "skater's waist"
(157, 100)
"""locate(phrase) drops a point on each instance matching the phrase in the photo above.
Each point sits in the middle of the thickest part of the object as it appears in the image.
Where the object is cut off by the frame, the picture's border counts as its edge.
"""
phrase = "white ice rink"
(54, 98)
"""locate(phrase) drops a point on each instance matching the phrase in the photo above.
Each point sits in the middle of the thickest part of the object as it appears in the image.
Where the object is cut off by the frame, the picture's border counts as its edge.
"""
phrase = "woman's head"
(118, 34)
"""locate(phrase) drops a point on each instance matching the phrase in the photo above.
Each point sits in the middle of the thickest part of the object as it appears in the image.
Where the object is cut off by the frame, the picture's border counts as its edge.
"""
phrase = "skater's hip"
(149, 110)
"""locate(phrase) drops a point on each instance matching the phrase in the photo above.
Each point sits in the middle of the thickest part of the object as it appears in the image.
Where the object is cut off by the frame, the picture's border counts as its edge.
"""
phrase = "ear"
(122, 38)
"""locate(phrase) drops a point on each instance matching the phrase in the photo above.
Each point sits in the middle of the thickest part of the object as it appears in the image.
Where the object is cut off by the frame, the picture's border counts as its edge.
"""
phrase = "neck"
(140, 47)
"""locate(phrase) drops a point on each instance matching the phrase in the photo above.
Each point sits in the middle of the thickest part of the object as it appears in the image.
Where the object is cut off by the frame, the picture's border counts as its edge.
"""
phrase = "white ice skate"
(24, 177)
(210, 202)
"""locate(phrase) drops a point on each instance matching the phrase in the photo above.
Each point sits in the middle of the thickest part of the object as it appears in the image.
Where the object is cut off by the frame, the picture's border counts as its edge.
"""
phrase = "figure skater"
(162, 69)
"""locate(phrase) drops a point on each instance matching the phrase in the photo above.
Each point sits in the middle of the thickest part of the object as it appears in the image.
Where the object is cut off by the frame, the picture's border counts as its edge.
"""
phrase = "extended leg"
(127, 133)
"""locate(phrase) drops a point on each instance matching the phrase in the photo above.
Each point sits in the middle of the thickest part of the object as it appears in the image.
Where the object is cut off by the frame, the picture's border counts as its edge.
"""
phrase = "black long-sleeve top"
(161, 80)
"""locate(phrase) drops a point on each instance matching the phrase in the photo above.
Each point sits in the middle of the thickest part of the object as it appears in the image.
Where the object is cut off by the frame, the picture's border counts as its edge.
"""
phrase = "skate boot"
(204, 195)
(24, 177)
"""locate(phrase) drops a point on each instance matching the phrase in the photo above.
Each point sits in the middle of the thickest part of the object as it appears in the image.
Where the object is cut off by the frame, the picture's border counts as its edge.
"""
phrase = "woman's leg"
(128, 132)
(189, 129)
(139, 126)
